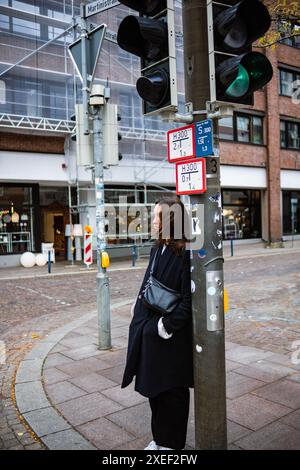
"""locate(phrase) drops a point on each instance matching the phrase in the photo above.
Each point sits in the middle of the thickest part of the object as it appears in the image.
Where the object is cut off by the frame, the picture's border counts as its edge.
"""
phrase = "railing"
(36, 123)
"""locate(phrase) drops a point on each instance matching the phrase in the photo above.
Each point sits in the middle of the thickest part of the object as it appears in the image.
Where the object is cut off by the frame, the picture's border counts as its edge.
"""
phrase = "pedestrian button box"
(104, 259)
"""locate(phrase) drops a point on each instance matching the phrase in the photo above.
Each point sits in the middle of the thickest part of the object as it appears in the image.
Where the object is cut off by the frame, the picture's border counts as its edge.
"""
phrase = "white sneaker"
(151, 446)
(164, 448)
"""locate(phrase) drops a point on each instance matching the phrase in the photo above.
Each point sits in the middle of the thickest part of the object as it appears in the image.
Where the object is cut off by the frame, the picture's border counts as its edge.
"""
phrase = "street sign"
(94, 44)
(190, 177)
(181, 143)
(97, 7)
(204, 138)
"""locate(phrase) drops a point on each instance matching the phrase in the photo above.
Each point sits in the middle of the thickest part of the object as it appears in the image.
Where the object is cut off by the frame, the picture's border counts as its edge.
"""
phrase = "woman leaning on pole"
(160, 345)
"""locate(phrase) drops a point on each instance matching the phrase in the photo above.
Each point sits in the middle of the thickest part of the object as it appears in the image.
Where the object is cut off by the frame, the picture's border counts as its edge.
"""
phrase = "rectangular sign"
(181, 143)
(190, 177)
(204, 138)
(98, 6)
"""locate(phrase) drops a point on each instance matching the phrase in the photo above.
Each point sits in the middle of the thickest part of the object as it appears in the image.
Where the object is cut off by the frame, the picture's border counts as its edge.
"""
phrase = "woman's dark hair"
(174, 226)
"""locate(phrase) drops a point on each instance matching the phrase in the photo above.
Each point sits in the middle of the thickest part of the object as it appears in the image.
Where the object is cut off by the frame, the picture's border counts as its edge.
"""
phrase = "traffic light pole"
(103, 304)
(103, 301)
(207, 264)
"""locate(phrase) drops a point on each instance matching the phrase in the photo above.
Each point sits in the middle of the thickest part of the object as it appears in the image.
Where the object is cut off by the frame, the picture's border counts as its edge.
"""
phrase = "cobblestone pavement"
(264, 313)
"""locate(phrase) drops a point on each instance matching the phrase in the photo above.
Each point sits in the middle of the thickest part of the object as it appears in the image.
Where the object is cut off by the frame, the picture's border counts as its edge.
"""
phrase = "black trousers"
(170, 412)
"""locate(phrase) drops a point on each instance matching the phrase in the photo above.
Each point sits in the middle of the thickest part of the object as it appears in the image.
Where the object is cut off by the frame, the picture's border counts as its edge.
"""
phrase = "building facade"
(41, 187)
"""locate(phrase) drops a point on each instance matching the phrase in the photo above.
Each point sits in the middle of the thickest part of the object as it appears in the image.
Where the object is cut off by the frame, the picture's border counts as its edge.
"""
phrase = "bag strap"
(153, 262)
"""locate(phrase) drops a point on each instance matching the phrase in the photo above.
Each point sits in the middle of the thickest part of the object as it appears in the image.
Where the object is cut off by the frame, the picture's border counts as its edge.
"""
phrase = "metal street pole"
(207, 264)
(85, 88)
(103, 304)
(103, 301)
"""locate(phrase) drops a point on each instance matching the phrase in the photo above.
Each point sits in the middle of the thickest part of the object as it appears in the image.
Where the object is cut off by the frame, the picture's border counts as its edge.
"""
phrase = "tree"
(285, 16)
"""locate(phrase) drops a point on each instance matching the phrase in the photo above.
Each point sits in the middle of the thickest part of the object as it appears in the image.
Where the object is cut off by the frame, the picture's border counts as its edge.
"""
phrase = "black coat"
(162, 364)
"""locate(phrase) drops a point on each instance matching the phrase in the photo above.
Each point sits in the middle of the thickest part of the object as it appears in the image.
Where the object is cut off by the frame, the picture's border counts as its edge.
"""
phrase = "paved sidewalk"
(69, 393)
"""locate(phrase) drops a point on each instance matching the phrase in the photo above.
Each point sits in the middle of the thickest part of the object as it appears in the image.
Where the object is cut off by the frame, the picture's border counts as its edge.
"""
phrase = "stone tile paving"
(264, 314)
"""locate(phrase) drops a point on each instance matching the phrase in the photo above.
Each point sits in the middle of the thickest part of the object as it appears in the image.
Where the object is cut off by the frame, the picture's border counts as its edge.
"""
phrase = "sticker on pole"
(181, 143)
(190, 177)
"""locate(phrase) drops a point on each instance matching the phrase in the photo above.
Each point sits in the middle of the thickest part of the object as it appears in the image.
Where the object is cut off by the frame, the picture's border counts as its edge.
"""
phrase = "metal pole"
(103, 303)
(85, 88)
(207, 272)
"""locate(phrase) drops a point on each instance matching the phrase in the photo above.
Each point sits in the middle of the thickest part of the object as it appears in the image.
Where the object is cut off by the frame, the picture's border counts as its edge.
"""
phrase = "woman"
(160, 351)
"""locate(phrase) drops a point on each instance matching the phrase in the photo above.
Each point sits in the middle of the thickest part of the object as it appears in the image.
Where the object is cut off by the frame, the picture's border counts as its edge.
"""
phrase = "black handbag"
(157, 296)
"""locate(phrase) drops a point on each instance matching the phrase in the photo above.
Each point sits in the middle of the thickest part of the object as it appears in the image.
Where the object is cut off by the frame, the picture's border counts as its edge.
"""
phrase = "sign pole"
(103, 301)
(85, 88)
(207, 261)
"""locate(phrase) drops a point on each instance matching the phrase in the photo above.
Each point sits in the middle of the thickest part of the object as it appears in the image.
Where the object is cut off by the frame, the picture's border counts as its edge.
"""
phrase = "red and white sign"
(181, 143)
(191, 177)
(88, 252)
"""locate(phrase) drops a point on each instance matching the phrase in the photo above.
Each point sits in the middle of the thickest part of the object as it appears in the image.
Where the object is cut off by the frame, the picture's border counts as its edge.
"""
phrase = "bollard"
(231, 246)
(49, 262)
(133, 255)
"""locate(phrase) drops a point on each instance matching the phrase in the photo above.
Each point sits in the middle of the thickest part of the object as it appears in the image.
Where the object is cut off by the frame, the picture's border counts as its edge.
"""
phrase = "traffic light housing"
(236, 71)
(151, 37)
(84, 143)
(111, 136)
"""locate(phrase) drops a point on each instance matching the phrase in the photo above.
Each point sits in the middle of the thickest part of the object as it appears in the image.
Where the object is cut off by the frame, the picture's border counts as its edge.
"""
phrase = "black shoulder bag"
(157, 296)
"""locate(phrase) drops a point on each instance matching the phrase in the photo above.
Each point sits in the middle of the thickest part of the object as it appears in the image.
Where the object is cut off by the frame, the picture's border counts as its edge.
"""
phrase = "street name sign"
(97, 7)
(181, 143)
(190, 176)
(94, 44)
(204, 138)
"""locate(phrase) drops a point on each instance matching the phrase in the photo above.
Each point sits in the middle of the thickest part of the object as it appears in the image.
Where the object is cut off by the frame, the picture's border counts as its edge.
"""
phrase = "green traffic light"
(240, 85)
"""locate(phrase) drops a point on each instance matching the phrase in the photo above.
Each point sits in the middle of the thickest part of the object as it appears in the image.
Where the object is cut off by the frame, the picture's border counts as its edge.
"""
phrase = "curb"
(46, 422)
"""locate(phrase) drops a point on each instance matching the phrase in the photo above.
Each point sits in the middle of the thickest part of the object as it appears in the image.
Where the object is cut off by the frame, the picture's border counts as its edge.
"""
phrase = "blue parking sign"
(204, 138)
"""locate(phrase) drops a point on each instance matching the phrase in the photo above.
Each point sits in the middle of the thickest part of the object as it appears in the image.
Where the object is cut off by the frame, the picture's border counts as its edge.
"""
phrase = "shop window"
(241, 214)
(291, 212)
(17, 214)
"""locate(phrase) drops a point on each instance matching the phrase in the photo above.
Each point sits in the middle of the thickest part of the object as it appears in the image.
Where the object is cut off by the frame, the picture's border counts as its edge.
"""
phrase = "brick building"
(39, 179)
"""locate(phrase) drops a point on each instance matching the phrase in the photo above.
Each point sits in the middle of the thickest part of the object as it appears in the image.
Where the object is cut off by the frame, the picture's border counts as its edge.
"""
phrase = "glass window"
(257, 130)
(291, 212)
(283, 143)
(25, 6)
(289, 135)
(125, 109)
(241, 214)
(16, 220)
(243, 128)
(25, 27)
(286, 79)
(293, 135)
(226, 128)
(4, 22)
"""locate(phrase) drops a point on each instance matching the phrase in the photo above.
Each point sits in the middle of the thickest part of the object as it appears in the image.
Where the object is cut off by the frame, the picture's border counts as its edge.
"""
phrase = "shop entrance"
(54, 219)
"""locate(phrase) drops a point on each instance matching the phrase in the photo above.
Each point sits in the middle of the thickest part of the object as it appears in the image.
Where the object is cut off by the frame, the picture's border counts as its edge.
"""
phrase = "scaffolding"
(41, 88)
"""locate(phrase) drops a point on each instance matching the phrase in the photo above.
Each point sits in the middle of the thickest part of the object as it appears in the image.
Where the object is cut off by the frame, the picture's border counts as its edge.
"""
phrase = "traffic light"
(236, 71)
(151, 36)
(111, 136)
(84, 143)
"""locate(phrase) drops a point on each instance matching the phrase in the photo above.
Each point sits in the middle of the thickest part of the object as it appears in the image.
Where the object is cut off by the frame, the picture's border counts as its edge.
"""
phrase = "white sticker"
(213, 317)
(211, 291)
(193, 286)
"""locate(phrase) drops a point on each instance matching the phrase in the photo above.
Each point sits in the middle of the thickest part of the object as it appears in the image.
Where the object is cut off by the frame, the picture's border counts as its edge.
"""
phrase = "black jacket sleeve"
(182, 314)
